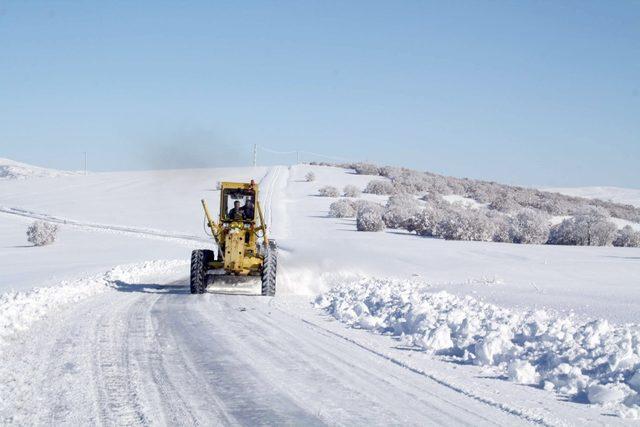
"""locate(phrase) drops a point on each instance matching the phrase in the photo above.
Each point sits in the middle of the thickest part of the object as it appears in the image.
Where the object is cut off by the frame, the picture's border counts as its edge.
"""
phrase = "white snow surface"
(96, 343)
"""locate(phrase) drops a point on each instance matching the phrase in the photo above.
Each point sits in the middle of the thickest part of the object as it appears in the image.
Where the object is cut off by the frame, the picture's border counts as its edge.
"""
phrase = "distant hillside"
(627, 196)
(10, 169)
(452, 208)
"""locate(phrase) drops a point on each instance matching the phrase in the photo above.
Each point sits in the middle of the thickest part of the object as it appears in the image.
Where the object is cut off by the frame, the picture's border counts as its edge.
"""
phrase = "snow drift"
(591, 360)
(19, 310)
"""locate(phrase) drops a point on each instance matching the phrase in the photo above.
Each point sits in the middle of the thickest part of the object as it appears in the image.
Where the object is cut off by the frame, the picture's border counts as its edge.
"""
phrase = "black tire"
(199, 265)
(269, 270)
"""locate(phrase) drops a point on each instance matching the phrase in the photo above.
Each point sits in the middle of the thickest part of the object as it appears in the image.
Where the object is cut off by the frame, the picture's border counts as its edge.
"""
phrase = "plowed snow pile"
(594, 360)
(19, 310)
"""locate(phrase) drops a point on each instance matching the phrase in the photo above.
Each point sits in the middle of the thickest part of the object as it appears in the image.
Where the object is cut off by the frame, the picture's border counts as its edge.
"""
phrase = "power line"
(298, 152)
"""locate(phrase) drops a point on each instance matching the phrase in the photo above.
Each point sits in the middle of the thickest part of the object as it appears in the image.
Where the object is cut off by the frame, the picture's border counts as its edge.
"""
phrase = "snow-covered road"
(154, 354)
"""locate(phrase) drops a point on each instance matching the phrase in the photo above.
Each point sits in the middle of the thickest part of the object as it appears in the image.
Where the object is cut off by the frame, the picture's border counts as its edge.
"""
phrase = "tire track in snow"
(355, 384)
(114, 371)
(151, 357)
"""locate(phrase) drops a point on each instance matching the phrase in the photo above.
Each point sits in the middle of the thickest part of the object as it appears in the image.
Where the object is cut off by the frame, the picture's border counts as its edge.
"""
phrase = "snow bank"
(19, 310)
(594, 359)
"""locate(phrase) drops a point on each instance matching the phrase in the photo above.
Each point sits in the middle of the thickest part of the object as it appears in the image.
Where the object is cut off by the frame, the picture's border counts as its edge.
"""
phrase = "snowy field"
(367, 328)
(627, 196)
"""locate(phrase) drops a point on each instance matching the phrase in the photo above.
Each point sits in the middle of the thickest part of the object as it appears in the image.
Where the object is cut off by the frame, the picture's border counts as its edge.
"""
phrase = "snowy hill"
(117, 338)
(629, 196)
(10, 169)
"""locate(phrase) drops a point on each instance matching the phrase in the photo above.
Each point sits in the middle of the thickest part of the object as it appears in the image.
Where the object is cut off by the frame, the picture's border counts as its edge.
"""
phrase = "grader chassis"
(244, 248)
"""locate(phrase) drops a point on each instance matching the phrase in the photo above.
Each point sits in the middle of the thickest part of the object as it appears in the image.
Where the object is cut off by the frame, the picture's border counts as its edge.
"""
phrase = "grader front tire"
(200, 259)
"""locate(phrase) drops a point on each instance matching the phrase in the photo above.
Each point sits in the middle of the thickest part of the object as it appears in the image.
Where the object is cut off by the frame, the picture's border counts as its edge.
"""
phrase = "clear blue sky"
(534, 93)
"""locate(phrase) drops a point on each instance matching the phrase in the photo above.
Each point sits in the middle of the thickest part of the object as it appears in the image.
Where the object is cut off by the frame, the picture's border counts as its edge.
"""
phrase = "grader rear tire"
(269, 269)
(200, 259)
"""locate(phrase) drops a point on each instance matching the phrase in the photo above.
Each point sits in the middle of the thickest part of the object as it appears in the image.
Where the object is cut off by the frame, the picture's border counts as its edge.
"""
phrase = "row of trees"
(434, 217)
(499, 197)
(513, 214)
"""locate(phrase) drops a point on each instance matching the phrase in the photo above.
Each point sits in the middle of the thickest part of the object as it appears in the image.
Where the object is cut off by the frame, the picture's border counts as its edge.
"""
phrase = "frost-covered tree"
(505, 203)
(351, 191)
(369, 219)
(627, 237)
(530, 226)
(594, 227)
(329, 191)
(564, 233)
(466, 224)
(366, 169)
(399, 209)
(502, 224)
(590, 226)
(499, 197)
(342, 208)
(310, 176)
(362, 205)
(378, 186)
(426, 221)
(42, 233)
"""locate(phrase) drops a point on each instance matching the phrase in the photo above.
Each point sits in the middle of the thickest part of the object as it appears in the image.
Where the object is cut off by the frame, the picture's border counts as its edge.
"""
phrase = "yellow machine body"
(237, 238)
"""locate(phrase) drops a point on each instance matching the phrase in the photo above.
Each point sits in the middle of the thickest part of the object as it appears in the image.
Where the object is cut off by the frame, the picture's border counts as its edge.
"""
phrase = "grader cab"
(244, 248)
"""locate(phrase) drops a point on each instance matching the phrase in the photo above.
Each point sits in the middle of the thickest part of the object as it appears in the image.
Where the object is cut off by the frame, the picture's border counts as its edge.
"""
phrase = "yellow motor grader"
(244, 249)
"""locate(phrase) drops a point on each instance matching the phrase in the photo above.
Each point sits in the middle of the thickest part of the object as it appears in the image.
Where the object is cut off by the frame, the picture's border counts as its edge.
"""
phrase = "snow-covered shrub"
(627, 237)
(369, 219)
(362, 205)
(351, 191)
(310, 176)
(505, 203)
(434, 198)
(466, 224)
(366, 169)
(329, 191)
(342, 208)
(426, 221)
(42, 233)
(378, 186)
(563, 233)
(389, 171)
(589, 227)
(530, 226)
(399, 209)
(503, 226)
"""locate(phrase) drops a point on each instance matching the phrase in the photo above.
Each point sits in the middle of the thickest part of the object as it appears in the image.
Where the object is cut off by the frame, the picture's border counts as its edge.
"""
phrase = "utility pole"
(255, 155)
(85, 163)
(297, 157)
